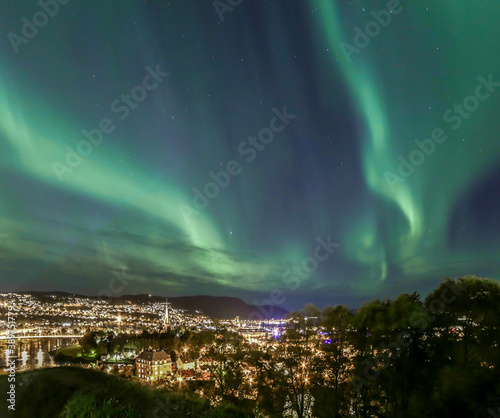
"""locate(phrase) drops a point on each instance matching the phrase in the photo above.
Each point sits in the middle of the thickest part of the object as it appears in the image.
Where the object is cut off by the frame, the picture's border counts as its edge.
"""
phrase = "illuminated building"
(152, 365)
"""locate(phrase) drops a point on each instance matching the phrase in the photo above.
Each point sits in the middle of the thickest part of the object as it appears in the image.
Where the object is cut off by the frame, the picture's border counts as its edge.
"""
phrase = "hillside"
(75, 392)
(223, 307)
(217, 307)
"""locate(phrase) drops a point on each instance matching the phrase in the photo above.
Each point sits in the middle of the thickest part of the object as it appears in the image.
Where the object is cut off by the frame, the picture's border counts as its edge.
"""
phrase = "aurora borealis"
(324, 174)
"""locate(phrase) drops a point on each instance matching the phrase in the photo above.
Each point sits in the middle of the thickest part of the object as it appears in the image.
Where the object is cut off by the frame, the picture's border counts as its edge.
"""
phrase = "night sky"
(178, 88)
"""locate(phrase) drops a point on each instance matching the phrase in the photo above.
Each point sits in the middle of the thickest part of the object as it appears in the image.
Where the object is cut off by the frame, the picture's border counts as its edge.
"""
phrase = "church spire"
(166, 321)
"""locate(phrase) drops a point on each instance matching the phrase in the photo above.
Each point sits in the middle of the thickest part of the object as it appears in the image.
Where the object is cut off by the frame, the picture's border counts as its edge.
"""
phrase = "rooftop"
(153, 355)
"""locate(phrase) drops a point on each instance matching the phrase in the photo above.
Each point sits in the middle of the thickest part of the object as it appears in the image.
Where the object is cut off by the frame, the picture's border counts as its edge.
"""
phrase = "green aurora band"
(119, 208)
(391, 102)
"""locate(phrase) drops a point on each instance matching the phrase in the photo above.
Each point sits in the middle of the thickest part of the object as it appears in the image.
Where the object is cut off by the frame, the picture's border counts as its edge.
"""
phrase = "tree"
(285, 380)
(331, 386)
(463, 347)
(89, 343)
(225, 365)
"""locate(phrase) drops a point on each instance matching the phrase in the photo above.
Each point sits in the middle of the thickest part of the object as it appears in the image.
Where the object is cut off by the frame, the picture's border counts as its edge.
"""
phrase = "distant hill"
(216, 307)
(224, 307)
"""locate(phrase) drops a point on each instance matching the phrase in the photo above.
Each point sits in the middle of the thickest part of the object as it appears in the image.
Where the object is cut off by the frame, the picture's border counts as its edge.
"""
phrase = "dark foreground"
(76, 392)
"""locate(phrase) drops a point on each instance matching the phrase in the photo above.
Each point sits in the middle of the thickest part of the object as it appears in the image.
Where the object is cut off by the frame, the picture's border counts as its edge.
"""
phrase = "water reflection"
(24, 357)
(40, 358)
(33, 353)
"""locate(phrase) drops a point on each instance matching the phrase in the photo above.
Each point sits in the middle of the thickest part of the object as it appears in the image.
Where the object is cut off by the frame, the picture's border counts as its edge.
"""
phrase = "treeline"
(407, 357)
(438, 357)
(101, 342)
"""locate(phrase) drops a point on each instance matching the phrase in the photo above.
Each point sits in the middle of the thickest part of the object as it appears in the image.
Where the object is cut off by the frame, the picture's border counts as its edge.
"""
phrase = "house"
(204, 374)
(185, 362)
(188, 374)
(204, 361)
(128, 352)
(152, 365)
